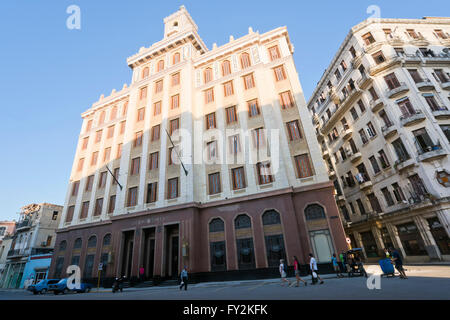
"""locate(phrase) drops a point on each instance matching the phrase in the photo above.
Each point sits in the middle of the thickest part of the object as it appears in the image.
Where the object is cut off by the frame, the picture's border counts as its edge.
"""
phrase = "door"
(322, 245)
(174, 258)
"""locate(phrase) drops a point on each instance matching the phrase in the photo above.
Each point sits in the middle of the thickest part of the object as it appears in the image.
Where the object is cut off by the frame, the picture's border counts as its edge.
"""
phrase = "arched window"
(207, 75)
(176, 58)
(245, 60)
(62, 245)
(314, 212)
(92, 242)
(77, 243)
(226, 68)
(271, 217)
(160, 65)
(107, 240)
(242, 221)
(216, 225)
(145, 73)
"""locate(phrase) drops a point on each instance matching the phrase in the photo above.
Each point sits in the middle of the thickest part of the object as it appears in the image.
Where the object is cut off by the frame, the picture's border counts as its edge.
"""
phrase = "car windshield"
(62, 280)
(41, 282)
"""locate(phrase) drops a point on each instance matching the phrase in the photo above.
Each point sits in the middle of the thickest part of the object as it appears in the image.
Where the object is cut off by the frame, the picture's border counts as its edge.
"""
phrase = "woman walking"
(297, 272)
(336, 266)
(283, 273)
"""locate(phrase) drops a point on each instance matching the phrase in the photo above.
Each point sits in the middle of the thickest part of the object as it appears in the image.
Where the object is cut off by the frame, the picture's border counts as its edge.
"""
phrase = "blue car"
(61, 287)
(42, 286)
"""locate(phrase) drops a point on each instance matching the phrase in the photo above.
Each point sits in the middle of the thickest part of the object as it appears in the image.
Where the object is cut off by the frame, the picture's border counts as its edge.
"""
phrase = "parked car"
(42, 286)
(61, 287)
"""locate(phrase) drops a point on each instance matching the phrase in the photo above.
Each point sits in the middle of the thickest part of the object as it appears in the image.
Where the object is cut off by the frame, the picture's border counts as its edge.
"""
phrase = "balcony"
(395, 92)
(356, 62)
(364, 81)
(340, 198)
(347, 133)
(412, 118)
(355, 157)
(16, 253)
(402, 164)
(351, 97)
(390, 62)
(389, 130)
(424, 85)
(23, 225)
(441, 113)
(365, 185)
(373, 47)
(431, 153)
(411, 59)
(325, 154)
(395, 40)
(437, 59)
(376, 105)
(445, 85)
(419, 41)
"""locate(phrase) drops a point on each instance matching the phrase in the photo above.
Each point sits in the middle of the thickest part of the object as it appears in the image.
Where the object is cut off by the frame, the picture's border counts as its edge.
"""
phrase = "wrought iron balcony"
(424, 85)
(395, 92)
(441, 113)
(389, 130)
(412, 118)
(355, 156)
(24, 224)
(432, 152)
(364, 81)
(404, 163)
(445, 85)
(376, 105)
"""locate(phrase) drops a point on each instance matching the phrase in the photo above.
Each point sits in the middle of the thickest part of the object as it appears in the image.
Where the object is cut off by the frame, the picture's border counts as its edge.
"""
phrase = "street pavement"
(424, 283)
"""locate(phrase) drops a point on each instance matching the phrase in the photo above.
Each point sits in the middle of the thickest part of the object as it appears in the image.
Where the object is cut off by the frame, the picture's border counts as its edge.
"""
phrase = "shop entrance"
(171, 252)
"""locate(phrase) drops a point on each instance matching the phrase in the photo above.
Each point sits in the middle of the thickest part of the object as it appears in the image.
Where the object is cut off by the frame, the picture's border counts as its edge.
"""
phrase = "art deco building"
(381, 112)
(242, 185)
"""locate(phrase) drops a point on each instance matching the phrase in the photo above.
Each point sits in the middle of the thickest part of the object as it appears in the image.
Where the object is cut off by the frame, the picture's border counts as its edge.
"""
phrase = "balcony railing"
(394, 92)
(412, 117)
(424, 84)
(23, 224)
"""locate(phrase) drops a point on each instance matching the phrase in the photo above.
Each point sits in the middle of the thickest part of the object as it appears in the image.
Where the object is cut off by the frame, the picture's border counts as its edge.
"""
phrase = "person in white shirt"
(313, 267)
(283, 270)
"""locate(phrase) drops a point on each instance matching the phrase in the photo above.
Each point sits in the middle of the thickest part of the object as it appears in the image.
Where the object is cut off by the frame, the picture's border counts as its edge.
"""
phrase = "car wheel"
(43, 291)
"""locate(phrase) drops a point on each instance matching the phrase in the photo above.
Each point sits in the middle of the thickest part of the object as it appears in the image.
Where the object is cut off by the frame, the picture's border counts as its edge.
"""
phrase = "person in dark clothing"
(184, 278)
(398, 263)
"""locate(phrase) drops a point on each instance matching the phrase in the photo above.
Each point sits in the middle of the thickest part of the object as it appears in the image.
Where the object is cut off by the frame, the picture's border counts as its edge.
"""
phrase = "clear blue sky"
(50, 74)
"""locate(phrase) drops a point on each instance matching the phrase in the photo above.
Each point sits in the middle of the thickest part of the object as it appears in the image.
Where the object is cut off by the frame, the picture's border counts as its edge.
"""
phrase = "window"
(274, 53)
(343, 153)
(423, 141)
(101, 120)
(392, 81)
(231, 114)
(210, 121)
(94, 158)
(286, 100)
(119, 151)
(152, 189)
(116, 175)
(264, 173)
(175, 79)
(238, 178)
(383, 159)
(172, 191)
(343, 66)
(446, 130)
(209, 95)
(411, 239)
(440, 34)
(363, 136)
(214, 183)
(157, 108)
(112, 204)
(110, 133)
(242, 221)
(218, 255)
(228, 88)
(314, 212)
(253, 108)
(153, 161)
(235, 146)
(388, 197)
(75, 187)
(412, 33)
(145, 73)
(98, 207)
(415, 75)
(245, 60)
(216, 225)
(155, 133)
(174, 125)
(249, 81)
(135, 164)
(226, 68)
(378, 57)
(352, 208)
(211, 149)
(353, 52)
(354, 113)
(373, 94)
(143, 93)
(398, 193)
(176, 58)
(84, 211)
(138, 139)
(245, 251)
(132, 197)
(125, 108)
(431, 101)
(158, 86)
(175, 101)
(368, 38)
(279, 73)
(440, 76)
(89, 125)
(400, 150)
(258, 137)
(102, 180)
(122, 127)
(303, 165)
(98, 136)
(375, 166)
(208, 75)
(406, 108)
(293, 130)
(337, 74)
(69, 215)
(160, 65)
(361, 105)
(371, 130)
(362, 210)
(418, 187)
(85, 143)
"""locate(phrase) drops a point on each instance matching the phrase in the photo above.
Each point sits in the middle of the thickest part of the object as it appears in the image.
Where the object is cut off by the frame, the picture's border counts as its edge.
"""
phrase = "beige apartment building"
(207, 159)
(381, 111)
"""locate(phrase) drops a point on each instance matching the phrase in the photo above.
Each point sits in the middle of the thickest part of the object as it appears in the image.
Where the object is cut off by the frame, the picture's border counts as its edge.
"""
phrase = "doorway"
(127, 253)
(148, 259)
(171, 252)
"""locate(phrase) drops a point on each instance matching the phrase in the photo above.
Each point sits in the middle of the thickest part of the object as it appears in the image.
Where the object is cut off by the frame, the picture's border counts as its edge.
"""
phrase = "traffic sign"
(100, 266)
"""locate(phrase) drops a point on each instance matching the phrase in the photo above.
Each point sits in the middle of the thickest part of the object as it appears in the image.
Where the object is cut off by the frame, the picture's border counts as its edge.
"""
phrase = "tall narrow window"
(122, 127)
(259, 139)
(228, 88)
(125, 109)
(158, 86)
(101, 120)
(253, 108)
(249, 81)
(279, 73)
(293, 130)
(143, 93)
(160, 65)
(211, 148)
(175, 101)
(69, 215)
(89, 125)
(138, 139)
(155, 133)
(176, 58)
(145, 72)
(84, 210)
(214, 183)
(98, 136)
(98, 207)
(235, 146)
(110, 133)
(174, 125)
(245, 60)
(85, 143)
(153, 161)
(102, 180)
(238, 178)
(208, 75)
(286, 100)
(172, 191)
(209, 95)
(112, 204)
(75, 187)
(226, 68)
(231, 114)
(157, 108)
(303, 164)
(175, 79)
(132, 197)
(119, 151)
(94, 158)
(274, 53)
(141, 114)
(210, 120)
(135, 164)
(264, 173)
(152, 189)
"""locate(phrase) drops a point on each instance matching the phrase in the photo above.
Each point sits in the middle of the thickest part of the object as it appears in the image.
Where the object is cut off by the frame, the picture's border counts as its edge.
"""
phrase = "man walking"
(313, 267)
(336, 266)
(283, 273)
(184, 278)
(397, 260)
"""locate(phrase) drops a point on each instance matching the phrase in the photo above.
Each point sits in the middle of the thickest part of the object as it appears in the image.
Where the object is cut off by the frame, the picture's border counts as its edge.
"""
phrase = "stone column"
(359, 243)
(444, 218)
(378, 238)
(393, 233)
(427, 237)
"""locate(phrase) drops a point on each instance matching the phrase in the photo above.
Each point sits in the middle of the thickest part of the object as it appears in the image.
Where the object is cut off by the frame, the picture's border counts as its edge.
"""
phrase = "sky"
(50, 74)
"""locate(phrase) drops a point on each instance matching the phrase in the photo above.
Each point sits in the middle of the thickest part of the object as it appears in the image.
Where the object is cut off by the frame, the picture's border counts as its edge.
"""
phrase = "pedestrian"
(297, 272)
(398, 262)
(283, 272)
(313, 267)
(184, 278)
(141, 273)
(387, 253)
(343, 257)
(336, 266)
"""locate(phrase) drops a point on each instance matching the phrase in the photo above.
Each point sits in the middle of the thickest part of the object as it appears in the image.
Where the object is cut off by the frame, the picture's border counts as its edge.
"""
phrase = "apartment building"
(6, 230)
(35, 235)
(207, 159)
(381, 112)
